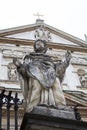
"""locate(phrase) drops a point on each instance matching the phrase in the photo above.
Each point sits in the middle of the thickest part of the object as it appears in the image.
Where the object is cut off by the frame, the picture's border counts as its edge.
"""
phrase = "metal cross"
(38, 15)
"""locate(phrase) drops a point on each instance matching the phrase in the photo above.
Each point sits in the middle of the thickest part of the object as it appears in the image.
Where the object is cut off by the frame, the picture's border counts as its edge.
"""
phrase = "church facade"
(18, 42)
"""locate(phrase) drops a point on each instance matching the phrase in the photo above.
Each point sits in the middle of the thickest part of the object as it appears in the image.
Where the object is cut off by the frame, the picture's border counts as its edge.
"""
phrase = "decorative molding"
(79, 60)
(10, 54)
(10, 82)
(17, 41)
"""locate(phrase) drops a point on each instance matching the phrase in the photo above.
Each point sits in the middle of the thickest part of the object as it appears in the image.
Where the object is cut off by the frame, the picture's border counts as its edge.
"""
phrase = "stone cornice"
(5, 40)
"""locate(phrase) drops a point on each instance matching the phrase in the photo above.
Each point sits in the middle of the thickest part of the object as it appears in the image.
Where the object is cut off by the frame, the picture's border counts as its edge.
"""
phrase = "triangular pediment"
(29, 33)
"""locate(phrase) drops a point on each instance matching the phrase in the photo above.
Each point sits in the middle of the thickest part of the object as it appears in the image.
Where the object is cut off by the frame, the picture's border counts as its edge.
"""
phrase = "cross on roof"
(38, 15)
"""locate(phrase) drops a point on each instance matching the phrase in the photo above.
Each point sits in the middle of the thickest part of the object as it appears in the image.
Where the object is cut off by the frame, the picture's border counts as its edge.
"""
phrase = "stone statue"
(41, 77)
(12, 72)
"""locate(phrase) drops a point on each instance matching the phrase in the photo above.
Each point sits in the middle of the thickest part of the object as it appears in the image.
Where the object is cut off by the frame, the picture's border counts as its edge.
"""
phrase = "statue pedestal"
(44, 118)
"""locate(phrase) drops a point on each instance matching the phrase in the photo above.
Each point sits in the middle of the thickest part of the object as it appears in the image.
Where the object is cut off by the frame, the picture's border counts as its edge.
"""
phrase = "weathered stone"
(62, 112)
(43, 118)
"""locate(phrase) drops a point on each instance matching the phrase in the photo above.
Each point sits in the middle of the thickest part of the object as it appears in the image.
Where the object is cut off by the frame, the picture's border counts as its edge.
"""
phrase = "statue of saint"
(41, 77)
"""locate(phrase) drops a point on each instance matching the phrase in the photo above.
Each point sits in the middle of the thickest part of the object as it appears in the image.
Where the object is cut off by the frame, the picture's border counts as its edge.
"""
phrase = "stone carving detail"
(79, 60)
(42, 33)
(12, 53)
(82, 77)
(12, 72)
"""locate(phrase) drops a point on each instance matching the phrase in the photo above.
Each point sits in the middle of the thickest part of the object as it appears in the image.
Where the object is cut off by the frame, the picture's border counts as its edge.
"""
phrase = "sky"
(69, 16)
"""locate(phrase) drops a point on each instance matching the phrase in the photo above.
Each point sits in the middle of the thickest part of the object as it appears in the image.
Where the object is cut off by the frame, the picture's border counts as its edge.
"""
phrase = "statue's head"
(40, 46)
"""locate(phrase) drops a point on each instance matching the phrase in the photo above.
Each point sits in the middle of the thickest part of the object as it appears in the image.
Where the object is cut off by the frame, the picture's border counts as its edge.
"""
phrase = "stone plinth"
(43, 118)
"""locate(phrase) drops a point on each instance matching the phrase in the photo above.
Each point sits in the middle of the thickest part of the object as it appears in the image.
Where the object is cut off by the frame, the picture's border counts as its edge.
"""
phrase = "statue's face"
(40, 47)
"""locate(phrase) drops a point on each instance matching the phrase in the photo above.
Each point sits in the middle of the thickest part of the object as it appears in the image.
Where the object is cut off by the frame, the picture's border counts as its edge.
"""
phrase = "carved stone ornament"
(12, 72)
(42, 33)
(80, 72)
(82, 77)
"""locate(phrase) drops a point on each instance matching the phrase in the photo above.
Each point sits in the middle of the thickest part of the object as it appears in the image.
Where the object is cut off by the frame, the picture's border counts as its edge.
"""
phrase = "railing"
(8, 101)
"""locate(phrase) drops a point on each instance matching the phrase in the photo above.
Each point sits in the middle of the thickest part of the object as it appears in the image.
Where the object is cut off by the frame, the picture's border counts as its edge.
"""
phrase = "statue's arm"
(16, 62)
(62, 65)
(24, 80)
(67, 59)
(22, 69)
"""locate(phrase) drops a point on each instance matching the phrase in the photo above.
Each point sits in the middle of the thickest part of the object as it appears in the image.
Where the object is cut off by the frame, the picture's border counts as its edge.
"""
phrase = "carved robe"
(40, 85)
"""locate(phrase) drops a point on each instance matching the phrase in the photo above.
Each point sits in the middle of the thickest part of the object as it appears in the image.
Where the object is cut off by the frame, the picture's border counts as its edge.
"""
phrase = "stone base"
(45, 118)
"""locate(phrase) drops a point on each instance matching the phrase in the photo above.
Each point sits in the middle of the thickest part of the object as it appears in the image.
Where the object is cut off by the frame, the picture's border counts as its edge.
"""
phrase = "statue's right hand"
(16, 62)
